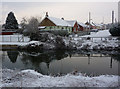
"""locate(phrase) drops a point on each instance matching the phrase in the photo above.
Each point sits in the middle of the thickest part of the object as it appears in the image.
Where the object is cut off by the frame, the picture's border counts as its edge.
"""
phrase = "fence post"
(18, 39)
(10, 38)
(2, 38)
(23, 38)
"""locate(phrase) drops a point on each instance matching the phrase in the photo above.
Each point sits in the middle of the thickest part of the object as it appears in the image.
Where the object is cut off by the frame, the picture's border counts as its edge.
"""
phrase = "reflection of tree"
(88, 58)
(111, 63)
(12, 55)
(116, 57)
(38, 59)
(46, 56)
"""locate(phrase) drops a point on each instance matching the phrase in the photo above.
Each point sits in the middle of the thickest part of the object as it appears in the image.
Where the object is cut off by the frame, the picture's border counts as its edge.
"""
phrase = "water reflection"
(12, 55)
(47, 61)
(111, 63)
(47, 57)
(116, 57)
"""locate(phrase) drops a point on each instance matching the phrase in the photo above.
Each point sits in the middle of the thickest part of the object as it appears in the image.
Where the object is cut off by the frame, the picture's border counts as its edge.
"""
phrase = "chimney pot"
(46, 14)
(62, 18)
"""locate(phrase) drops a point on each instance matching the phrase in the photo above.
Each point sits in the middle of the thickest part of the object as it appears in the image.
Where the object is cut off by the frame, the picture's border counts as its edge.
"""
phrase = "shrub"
(60, 32)
(115, 30)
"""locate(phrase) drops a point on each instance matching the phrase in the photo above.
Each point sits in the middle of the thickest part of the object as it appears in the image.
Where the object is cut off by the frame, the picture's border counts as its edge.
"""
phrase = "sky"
(69, 10)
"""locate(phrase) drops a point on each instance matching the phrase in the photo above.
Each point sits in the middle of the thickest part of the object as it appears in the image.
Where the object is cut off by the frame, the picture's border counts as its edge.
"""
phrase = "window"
(50, 27)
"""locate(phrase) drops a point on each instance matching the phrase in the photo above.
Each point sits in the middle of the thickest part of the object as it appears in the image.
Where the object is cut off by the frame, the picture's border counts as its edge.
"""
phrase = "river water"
(62, 62)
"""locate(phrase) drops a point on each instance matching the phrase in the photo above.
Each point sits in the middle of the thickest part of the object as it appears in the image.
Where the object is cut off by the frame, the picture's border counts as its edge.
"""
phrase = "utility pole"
(119, 11)
(103, 20)
(89, 17)
(115, 20)
(89, 20)
(112, 17)
(103, 25)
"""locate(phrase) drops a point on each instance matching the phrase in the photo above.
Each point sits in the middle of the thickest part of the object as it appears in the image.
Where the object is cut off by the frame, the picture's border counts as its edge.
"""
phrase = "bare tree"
(30, 26)
(23, 23)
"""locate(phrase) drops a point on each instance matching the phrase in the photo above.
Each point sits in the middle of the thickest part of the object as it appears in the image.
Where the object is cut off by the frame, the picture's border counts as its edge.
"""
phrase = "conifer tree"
(11, 22)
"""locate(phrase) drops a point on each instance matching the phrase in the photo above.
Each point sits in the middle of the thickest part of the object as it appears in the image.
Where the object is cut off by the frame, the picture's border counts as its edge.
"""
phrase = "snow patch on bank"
(31, 78)
(102, 33)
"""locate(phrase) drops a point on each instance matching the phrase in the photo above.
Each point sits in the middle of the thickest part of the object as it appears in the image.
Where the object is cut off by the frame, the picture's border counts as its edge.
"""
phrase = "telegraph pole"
(119, 11)
(115, 20)
(89, 20)
(103, 20)
(89, 17)
(112, 17)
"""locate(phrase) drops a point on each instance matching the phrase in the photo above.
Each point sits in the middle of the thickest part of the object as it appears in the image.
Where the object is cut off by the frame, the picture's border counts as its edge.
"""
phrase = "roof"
(93, 24)
(99, 25)
(72, 23)
(41, 27)
(82, 24)
(58, 22)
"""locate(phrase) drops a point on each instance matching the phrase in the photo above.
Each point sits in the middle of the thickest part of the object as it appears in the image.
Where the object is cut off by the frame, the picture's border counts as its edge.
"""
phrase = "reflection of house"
(51, 23)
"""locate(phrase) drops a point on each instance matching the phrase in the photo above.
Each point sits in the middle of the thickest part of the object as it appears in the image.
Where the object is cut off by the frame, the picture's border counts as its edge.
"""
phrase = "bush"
(20, 31)
(60, 32)
(115, 30)
(26, 32)
(60, 44)
(34, 36)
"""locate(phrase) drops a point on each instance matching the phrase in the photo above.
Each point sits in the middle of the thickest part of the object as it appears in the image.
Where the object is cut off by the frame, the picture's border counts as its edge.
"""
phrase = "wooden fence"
(14, 38)
(96, 39)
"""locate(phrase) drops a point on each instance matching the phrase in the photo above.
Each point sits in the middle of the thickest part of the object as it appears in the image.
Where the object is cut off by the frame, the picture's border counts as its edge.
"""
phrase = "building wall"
(93, 27)
(75, 28)
(48, 28)
(81, 28)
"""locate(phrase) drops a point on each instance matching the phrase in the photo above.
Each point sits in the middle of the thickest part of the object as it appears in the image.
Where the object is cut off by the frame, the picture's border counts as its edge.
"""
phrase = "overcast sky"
(68, 10)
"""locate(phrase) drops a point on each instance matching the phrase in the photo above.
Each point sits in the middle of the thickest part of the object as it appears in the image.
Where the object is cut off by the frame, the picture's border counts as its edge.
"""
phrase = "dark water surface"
(63, 62)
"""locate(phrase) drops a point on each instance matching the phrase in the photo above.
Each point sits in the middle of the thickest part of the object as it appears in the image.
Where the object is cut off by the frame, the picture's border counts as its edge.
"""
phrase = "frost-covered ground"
(101, 40)
(96, 40)
(30, 78)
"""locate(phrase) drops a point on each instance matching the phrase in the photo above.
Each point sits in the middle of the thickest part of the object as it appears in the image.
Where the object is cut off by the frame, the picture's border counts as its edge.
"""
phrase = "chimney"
(62, 18)
(46, 14)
